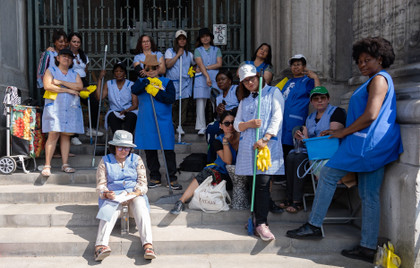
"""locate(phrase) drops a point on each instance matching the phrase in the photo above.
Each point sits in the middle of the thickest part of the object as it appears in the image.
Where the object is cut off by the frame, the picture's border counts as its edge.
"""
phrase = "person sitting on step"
(118, 172)
(226, 146)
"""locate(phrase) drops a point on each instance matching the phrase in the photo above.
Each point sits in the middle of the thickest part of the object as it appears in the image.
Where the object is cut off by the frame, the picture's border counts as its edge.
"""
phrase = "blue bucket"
(321, 147)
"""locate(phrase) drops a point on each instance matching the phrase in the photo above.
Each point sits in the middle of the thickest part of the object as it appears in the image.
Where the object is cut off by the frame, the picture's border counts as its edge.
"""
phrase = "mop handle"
(257, 137)
(99, 106)
(180, 91)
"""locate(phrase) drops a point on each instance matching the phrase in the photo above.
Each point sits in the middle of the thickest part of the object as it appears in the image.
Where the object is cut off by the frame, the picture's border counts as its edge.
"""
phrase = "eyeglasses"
(126, 149)
(151, 68)
(250, 79)
(227, 123)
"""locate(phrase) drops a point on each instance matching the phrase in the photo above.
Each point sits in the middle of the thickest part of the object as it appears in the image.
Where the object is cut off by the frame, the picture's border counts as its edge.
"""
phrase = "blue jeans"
(369, 184)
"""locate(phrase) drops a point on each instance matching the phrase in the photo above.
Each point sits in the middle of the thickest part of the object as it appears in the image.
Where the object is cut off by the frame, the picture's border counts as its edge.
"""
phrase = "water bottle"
(124, 220)
(298, 146)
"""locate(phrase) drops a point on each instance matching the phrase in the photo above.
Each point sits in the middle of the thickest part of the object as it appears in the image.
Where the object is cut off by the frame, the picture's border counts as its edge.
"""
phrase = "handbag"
(211, 198)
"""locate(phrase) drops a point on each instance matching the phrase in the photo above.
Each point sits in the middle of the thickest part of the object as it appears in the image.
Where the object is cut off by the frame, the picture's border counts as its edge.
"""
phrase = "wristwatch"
(265, 139)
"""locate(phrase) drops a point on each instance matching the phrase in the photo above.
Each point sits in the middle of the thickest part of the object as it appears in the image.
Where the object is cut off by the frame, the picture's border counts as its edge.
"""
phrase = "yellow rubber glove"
(191, 72)
(264, 159)
(154, 86)
(85, 94)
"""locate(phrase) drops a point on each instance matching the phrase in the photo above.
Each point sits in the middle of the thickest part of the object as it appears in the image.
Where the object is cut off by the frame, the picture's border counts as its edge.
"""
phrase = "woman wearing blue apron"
(269, 124)
(123, 104)
(262, 61)
(147, 137)
(62, 114)
(173, 61)
(209, 60)
(371, 139)
(147, 46)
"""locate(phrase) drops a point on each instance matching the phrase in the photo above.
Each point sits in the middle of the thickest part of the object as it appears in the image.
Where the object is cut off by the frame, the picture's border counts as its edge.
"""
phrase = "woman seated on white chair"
(118, 172)
(226, 147)
(325, 117)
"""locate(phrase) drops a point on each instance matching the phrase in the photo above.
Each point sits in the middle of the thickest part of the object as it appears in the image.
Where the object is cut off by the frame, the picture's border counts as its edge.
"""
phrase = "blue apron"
(245, 157)
(315, 128)
(230, 99)
(296, 95)
(146, 135)
(64, 114)
(201, 89)
(173, 74)
(375, 146)
(259, 68)
(141, 57)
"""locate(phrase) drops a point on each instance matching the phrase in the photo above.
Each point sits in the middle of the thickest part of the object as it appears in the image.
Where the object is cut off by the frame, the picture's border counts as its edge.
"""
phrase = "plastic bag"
(386, 257)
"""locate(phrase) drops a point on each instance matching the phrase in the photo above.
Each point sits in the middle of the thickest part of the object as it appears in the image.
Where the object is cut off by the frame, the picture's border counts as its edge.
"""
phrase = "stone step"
(171, 240)
(185, 260)
(72, 214)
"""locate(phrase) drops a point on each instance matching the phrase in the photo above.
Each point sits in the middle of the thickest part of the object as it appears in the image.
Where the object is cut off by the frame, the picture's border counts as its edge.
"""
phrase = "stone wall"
(13, 54)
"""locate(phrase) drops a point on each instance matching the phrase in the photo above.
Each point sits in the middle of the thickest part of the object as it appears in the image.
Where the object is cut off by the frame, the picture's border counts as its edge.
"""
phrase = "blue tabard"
(119, 100)
(52, 55)
(64, 114)
(201, 90)
(120, 179)
(173, 74)
(220, 165)
(245, 157)
(296, 95)
(146, 135)
(262, 66)
(230, 99)
(375, 146)
(141, 57)
(323, 124)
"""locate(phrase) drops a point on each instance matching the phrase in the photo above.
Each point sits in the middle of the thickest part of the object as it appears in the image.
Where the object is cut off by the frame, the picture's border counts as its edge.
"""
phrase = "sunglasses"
(153, 68)
(126, 149)
(227, 123)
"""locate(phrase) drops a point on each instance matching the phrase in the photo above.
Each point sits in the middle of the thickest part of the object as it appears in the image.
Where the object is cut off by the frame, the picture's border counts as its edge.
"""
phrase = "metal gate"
(119, 24)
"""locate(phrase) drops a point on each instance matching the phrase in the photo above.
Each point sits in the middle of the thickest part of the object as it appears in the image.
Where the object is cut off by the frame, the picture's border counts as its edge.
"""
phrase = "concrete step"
(171, 240)
(185, 260)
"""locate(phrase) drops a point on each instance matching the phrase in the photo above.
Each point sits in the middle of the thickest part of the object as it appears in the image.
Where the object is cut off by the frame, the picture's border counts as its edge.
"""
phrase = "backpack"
(194, 162)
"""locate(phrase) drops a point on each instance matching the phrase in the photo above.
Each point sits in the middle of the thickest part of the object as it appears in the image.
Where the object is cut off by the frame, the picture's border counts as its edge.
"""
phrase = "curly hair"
(139, 48)
(375, 47)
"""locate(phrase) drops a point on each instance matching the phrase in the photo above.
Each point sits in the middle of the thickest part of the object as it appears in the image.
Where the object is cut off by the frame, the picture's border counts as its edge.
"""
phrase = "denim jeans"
(369, 185)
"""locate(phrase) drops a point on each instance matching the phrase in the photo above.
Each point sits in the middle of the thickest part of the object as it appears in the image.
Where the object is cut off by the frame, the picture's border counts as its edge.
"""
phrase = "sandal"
(295, 207)
(102, 252)
(285, 204)
(46, 171)
(149, 254)
(67, 168)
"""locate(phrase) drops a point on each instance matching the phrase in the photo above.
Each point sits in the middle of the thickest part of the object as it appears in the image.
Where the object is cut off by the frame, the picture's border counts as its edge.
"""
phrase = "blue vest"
(296, 95)
(245, 157)
(201, 90)
(146, 135)
(119, 100)
(230, 99)
(262, 66)
(375, 146)
(120, 179)
(173, 74)
(323, 124)
(220, 165)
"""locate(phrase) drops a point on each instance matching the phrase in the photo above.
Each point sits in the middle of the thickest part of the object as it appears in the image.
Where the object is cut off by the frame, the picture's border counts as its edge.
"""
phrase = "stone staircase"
(55, 217)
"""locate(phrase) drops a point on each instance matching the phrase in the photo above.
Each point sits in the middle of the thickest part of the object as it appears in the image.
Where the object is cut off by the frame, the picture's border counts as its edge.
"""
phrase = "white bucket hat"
(247, 70)
(122, 138)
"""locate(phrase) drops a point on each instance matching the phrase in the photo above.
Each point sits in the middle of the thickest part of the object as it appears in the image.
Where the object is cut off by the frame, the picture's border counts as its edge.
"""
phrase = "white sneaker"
(179, 130)
(76, 141)
(202, 132)
(94, 133)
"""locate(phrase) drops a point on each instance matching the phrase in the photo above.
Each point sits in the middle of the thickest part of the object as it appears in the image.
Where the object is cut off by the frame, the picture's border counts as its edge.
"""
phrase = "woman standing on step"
(226, 146)
(62, 115)
(123, 172)
(147, 46)
(269, 124)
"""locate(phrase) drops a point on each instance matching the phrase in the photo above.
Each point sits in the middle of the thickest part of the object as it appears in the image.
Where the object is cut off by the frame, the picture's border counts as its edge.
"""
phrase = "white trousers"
(136, 207)
(200, 121)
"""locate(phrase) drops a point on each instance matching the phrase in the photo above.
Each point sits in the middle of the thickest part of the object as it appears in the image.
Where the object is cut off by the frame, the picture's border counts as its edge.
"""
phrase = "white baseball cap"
(297, 57)
(180, 32)
(247, 70)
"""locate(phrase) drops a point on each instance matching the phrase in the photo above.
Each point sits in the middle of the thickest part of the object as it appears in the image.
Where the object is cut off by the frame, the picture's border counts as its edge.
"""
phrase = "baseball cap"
(180, 32)
(297, 57)
(247, 70)
(320, 90)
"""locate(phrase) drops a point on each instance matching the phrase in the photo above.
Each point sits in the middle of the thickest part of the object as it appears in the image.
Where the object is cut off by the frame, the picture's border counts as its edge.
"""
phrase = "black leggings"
(262, 197)
(127, 124)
